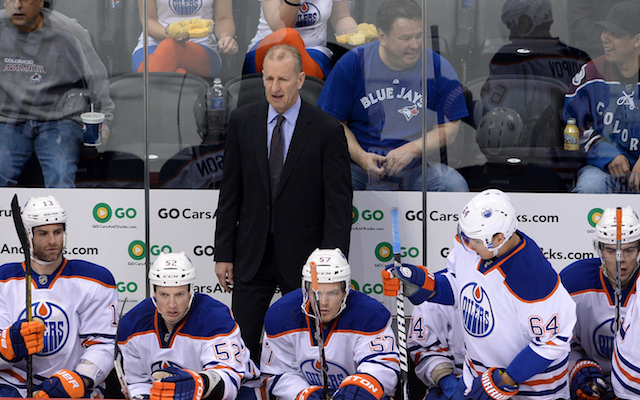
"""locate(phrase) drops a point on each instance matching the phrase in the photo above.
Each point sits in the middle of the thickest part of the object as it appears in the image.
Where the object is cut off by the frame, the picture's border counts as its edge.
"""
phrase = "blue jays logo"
(603, 338)
(163, 364)
(185, 7)
(308, 15)
(312, 370)
(409, 111)
(477, 313)
(56, 322)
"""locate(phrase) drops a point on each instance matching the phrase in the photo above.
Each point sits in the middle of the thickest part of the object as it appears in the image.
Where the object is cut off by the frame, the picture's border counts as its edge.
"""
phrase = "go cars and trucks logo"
(138, 249)
(102, 213)
(594, 216)
(384, 252)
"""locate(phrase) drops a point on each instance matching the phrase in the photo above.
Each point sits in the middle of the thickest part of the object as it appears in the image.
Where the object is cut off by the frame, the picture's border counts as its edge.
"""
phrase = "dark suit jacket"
(313, 201)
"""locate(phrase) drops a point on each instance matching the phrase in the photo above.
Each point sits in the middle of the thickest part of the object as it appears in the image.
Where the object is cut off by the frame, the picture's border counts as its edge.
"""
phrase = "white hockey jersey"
(625, 374)
(510, 303)
(77, 304)
(359, 340)
(207, 338)
(435, 337)
(594, 333)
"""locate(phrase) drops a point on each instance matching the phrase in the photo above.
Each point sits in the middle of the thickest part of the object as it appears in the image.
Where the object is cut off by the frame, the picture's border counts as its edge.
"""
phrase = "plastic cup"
(91, 127)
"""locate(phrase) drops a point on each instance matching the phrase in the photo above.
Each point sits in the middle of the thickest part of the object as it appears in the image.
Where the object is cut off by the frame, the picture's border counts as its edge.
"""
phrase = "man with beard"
(73, 302)
(375, 91)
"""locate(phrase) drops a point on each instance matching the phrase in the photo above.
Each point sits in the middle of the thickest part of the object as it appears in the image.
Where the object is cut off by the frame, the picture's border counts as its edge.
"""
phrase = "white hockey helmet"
(486, 215)
(606, 232)
(606, 226)
(43, 211)
(40, 211)
(540, 12)
(331, 267)
(172, 270)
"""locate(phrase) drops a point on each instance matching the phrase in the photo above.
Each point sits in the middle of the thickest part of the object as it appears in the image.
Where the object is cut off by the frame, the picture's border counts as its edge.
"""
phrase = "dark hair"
(391, 10)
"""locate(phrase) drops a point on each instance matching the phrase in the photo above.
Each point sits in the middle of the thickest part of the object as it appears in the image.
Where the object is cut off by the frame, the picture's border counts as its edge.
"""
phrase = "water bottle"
(217, 113)
(571, 136)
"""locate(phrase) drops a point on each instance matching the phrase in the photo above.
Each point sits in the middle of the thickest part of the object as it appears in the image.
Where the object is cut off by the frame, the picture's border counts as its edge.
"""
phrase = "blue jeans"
(56, 144)
(440, 178)
(594, 180)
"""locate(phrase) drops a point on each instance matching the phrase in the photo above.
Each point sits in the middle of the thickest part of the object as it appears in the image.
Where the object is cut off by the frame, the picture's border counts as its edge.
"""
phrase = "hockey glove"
(311, 393)
(22, 339)
(587, 381)
(359, 387)
(419, 282)
(448, 384)
(488, 386)
(63, 384)
(182, 384)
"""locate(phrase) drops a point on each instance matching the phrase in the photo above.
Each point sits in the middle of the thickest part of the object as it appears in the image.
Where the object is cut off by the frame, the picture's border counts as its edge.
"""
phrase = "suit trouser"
(250, 300)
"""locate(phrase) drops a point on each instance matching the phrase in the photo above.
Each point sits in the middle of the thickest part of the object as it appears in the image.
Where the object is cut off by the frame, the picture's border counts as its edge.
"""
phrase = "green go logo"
(354, 215)
(384, 252)
(102, 212)
(137, 250)
(594, 216)
(355, 286)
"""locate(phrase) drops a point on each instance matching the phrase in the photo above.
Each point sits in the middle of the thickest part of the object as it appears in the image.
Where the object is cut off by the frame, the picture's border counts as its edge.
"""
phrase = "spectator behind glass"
(583, 17)
(50, 75)
(303, 25)
(199, 56)
(604, 99)
(531, 74)
(375, 90)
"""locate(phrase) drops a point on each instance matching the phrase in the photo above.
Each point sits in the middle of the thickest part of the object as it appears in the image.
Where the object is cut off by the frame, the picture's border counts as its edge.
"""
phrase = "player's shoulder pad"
(10, 271)
(363, 314)
(205, 309)
(90, 271)
(528, 274)
(285, 314)
(582, 275)
(139, 319)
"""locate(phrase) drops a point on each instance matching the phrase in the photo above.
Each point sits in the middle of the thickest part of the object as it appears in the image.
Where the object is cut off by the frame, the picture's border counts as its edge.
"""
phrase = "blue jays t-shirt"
(383, 107)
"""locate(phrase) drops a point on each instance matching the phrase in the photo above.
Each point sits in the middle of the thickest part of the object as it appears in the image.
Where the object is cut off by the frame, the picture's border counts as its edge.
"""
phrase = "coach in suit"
(269, 221)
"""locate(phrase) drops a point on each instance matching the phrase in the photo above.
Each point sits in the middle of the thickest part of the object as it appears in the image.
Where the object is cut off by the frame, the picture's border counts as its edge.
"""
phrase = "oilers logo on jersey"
(603, 338)
(185, 7)
(56, 322)
(308, 14)
(477, 313)
(312, 370)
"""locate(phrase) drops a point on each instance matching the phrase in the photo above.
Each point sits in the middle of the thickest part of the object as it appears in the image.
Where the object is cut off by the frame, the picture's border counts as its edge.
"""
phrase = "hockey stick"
(618, 293)
(400, 317)
(24, 241)
(117, 358)
(319, 335)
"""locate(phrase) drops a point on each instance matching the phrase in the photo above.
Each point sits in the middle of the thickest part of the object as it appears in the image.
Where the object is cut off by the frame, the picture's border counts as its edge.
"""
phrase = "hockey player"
(74, 301)
(591, 283)
(517, 317)
(359, 344)
(178, 344)
(436, 346)
(625, 373)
